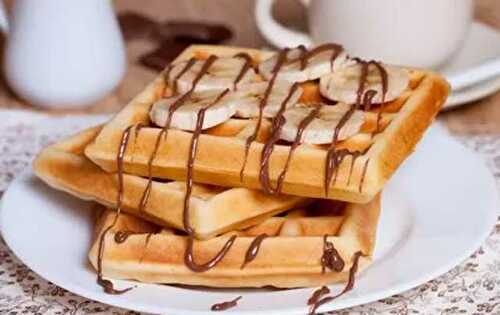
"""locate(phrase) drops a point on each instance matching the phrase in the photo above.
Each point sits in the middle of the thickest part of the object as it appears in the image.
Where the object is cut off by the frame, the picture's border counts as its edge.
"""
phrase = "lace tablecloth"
(473, 287)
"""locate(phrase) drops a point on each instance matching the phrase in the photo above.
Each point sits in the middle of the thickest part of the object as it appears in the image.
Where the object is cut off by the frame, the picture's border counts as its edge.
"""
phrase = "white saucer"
(436, 211)
(481, 44)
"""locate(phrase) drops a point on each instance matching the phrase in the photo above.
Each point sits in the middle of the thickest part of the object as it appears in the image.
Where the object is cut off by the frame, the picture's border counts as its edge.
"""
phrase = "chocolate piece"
(168, 50)
(136, 26)
(194, 32)
(225, 305)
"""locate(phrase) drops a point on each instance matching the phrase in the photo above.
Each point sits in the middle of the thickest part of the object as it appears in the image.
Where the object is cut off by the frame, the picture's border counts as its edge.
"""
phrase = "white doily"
(473, 287)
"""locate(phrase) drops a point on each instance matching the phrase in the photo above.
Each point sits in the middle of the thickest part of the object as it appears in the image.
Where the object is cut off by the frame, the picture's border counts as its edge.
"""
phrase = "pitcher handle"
(274, 32)
(4, 19)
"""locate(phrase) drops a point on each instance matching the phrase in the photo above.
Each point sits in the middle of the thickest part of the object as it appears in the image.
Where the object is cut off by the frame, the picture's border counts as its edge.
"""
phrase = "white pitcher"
(62, 53)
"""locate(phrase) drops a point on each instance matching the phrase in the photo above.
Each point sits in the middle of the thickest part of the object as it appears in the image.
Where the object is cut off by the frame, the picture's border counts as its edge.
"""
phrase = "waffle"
(290, 257)
(213, 210)
(388, 135)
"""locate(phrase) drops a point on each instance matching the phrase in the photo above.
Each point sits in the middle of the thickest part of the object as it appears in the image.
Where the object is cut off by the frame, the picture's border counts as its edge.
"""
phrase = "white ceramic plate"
(437, 210)
(482, 44)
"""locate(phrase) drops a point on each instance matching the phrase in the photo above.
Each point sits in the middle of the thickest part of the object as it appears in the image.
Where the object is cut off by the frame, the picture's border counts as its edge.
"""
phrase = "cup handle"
(275, 33)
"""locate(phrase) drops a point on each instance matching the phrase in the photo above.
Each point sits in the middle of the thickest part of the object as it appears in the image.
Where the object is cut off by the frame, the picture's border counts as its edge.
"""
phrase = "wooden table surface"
(478, 117)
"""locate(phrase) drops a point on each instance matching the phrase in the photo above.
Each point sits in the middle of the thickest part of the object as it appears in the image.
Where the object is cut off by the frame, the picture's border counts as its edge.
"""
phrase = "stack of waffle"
(245, 168)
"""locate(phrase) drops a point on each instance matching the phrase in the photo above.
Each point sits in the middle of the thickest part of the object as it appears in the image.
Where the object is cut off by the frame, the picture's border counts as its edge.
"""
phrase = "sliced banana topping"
(224, 73)
(186, 116)
(313, 65)
(343, 84)
(246, 100)
(322, 128)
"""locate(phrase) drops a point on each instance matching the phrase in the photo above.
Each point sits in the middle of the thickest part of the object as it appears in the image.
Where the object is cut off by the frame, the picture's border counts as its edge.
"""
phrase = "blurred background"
(155, 30)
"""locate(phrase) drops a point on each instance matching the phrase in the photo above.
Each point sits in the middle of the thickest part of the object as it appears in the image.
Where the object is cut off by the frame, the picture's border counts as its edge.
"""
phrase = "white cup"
(422, 33)
(62, 53)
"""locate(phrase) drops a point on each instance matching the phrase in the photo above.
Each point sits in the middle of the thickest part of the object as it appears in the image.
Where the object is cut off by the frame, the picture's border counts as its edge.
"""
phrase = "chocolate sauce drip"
(106, 284)
(317, 295)
(352, 275)
(191, 157)
(331, 258)
(347, 288)
(146, 244)
(363, 175)
(121, 236)
(354, 157)
(305, 57)
(277, 124)
(187, 66)
(282, 57)
(225, 305)
(164, 132)
(334, 158)
(368, 99)
(189, 256)
(303, 61)
(302, 127)
(244, 69)
(253, 249)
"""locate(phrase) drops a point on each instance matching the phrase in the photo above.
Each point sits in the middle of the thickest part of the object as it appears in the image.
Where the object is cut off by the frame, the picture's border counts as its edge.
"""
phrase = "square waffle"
(388, 134)
(213, 210)
(290, 256)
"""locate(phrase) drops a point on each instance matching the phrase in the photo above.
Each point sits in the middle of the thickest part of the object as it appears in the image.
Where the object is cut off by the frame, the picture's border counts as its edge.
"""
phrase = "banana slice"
(223, 73)
(343, 84)
(317, 64)
(321, 129)
(185, 117)
(247, 99)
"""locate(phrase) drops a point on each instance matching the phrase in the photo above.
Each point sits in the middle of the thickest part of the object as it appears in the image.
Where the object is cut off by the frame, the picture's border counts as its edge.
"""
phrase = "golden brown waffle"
(290, 257)
(221, 150)
(213, 210)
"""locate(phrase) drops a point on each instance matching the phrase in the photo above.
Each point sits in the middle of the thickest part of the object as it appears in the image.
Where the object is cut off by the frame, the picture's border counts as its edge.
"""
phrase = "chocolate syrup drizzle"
(317, 295)
(306, 56)
(331, 258)
(296, 142)
(316, 301)
(106, 284)
(122, 236)
(188, 257)
(335, 157)
(282, 58)
(303, 61)
(225, 305)
(191, 157)
(277, 125)
(246, 66)
(164, 132)
(253, 249)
